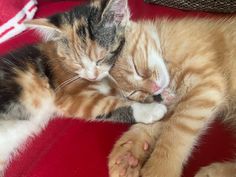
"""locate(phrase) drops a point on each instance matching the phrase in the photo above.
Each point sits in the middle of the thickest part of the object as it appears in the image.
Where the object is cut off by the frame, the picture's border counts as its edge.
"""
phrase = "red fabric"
(13, 14)
(73, 148)
(10, 8)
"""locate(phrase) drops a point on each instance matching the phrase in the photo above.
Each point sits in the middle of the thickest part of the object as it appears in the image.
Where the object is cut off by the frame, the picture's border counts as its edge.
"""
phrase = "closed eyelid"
(100, 61)
(146, 74)
(135, 91)
(135, 67)
(131, 93)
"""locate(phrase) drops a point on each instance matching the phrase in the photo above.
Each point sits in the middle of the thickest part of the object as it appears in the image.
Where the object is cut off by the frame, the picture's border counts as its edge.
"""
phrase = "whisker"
(67, 82)
(113, 79)
(12, 55)
(116, 83)
(7, 61)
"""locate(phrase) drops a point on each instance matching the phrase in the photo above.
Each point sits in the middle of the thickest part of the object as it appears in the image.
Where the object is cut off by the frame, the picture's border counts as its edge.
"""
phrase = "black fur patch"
(122, 114)
(81, 31)
(20, 59)
(114, 54)
(56, 20)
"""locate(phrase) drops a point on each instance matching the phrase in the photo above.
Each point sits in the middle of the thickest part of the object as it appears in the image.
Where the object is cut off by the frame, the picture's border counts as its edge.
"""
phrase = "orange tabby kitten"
(201, 59)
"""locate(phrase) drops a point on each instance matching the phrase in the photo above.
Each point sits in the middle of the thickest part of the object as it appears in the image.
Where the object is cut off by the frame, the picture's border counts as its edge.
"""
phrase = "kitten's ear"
(116, 12)
(48, 30)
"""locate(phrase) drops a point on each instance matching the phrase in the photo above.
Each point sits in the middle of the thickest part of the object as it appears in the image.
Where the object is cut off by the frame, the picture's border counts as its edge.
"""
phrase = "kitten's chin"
(95, 79)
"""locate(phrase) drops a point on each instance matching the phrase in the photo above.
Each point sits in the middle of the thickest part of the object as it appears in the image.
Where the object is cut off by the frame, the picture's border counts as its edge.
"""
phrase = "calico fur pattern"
(41, 81)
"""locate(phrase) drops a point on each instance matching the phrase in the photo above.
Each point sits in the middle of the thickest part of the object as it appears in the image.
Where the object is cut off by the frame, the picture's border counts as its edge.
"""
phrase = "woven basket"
(223, 6)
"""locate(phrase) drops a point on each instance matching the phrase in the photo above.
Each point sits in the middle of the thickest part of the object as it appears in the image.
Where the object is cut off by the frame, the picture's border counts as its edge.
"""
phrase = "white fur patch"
(148, 113)
(13, 133)
(103, 87)
(90, 69)
(155, 60)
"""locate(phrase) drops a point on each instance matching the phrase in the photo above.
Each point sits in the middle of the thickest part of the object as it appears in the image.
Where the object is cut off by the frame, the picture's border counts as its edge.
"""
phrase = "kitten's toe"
(126, 164)
(122, 161)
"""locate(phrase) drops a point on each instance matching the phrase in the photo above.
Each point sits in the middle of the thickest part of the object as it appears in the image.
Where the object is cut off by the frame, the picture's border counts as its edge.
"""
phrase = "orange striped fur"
(201, 58)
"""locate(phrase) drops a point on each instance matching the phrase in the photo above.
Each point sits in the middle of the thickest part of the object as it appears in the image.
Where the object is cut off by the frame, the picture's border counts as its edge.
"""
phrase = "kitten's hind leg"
(225, 169)
(132, 150)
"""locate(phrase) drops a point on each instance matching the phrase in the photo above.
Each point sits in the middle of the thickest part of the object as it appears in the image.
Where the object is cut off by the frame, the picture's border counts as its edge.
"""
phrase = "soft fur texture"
(200, 56)
(41, 81)
(88, 37)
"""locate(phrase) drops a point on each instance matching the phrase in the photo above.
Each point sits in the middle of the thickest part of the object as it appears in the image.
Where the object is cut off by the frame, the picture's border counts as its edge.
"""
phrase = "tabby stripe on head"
(81, 32)
(115, 53)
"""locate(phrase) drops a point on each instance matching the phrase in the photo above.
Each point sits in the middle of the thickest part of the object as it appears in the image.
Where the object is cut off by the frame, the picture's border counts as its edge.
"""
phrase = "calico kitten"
(201, 59)
(88, 38)
(45, 80)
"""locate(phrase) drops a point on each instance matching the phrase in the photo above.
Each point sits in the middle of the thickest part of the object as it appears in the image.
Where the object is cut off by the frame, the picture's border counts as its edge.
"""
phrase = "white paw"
(148, 113)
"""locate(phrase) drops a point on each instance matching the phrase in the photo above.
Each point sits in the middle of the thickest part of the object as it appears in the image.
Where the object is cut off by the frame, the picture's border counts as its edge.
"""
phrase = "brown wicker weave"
(224, 6)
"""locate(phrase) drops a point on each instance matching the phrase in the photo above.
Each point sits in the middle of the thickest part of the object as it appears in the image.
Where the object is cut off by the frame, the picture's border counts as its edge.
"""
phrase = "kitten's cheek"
(149, 99)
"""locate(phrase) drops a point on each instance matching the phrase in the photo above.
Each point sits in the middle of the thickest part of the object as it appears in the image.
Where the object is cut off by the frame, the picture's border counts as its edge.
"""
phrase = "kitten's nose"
(92, 78)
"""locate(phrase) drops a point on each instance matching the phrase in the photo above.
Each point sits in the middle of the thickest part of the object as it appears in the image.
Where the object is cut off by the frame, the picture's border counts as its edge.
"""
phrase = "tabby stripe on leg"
(122, 114)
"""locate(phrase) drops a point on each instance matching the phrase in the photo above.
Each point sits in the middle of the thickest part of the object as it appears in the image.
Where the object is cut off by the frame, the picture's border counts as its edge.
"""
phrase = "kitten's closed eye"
(140, 96)
(99, 62)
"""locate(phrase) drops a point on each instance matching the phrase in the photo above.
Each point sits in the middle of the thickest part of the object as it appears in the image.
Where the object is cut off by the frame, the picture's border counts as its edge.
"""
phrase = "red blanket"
(73, 148)
(13, 14)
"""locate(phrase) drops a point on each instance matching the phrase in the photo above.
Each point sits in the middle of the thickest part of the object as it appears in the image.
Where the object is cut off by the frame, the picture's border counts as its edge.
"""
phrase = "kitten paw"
(218, 170)
(148, 113)
(129, 154)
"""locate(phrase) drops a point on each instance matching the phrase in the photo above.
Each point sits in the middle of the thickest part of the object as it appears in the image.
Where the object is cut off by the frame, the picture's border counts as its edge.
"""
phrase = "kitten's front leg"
(137, 113)
(181, 131)
(90, 104)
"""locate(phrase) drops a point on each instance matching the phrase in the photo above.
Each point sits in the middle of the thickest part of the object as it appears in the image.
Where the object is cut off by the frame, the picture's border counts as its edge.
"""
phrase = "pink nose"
(155, 87)
(92, 78)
